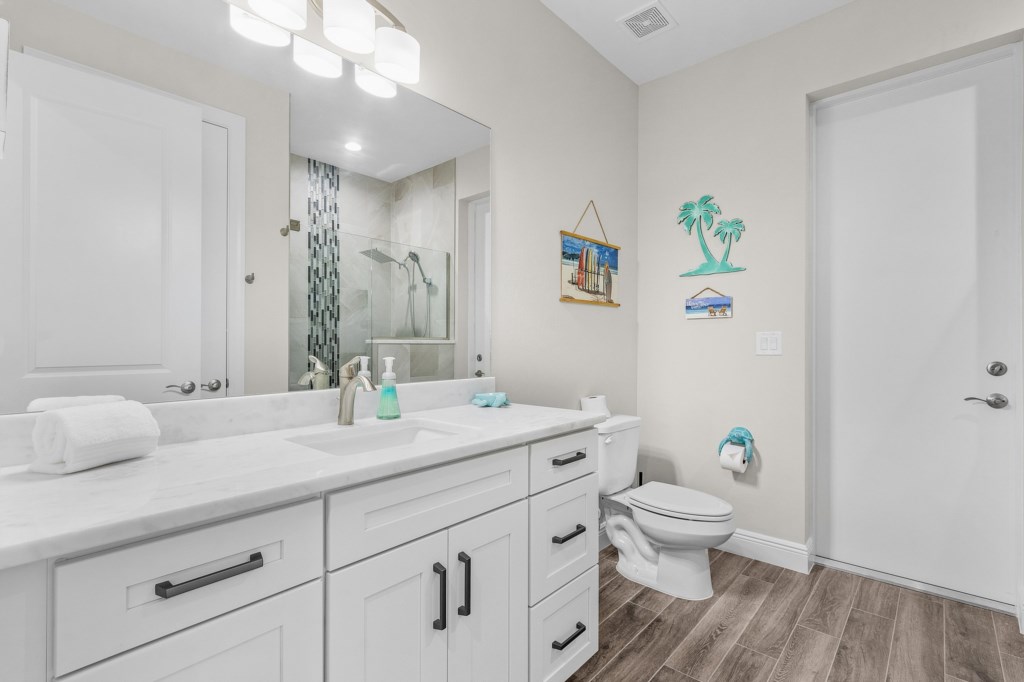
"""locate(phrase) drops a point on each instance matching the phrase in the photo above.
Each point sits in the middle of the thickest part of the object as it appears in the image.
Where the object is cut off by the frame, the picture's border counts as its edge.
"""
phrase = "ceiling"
(400, 136)
(704, 28)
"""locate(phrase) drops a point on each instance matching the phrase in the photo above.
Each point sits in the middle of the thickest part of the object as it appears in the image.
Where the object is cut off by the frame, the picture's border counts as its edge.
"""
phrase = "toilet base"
(681, 573)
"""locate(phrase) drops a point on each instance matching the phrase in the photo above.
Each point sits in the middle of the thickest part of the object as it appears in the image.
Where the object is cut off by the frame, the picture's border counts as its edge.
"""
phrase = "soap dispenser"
(387, 407)
(364, 366)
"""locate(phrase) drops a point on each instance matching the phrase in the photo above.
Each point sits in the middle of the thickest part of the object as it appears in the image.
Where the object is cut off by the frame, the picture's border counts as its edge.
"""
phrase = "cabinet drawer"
(559, 460)
(569, 613)
(107, 603)
(369, 519)
(277, 640)
(563, 535)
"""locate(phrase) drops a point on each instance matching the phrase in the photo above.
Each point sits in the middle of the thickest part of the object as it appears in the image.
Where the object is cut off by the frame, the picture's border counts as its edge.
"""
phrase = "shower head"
(415, 258)
(379, 256)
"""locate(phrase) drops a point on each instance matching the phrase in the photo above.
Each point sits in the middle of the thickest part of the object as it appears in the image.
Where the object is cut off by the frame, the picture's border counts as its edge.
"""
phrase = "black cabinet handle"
(580, 629)
(442, 622)
(569, 460)
(166, 590)
(580, 529)
(465, 610)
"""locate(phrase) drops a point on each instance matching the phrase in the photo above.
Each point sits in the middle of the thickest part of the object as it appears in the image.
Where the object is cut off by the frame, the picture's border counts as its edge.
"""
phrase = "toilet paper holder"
(742, 437)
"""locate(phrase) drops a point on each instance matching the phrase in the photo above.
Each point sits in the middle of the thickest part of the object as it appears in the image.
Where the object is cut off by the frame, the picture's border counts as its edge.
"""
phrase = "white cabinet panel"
(563, 630)
(279, 639)
(563, 535)
(382, 614)
(372, 518)
(559, 460)
(107, 603)
(488, 554)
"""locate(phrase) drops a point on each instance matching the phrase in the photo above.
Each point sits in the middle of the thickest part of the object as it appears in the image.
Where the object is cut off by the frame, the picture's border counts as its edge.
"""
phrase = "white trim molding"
(790, 555)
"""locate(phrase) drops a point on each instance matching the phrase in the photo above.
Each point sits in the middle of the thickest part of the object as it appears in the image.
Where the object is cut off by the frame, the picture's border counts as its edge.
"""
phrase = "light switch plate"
(768, 343)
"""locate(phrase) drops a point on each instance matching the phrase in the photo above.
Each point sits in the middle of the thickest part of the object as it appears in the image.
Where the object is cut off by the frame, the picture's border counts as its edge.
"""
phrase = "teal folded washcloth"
(490, 400)
(740, 436)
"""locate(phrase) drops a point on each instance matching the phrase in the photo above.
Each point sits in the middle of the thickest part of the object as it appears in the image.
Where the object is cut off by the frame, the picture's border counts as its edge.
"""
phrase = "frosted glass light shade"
(397, 56)
(316, 60)
(290, 14)
(5, 41)
(374, 83)
(254, 28)
(350, 24)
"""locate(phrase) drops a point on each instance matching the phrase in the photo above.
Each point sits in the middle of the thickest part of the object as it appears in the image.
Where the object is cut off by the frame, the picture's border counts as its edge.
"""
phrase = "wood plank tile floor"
(766, 624)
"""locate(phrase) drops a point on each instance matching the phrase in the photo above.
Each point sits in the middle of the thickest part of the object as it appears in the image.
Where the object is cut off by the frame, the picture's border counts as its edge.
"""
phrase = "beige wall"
(564, 131)
(736, 126)
(55, 29)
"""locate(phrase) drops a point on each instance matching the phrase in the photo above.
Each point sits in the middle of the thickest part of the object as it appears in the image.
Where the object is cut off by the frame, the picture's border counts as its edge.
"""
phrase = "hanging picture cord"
(592, 205)
(714, 291)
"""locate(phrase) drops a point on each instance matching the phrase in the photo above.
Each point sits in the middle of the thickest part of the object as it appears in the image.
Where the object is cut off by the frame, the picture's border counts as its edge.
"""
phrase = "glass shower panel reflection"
(410, 295)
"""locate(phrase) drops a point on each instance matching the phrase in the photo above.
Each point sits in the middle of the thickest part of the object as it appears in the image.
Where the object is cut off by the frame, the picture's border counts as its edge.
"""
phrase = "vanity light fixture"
(316, 60)
(289, 14)
(397, 56)
(353, 146)
(374, 83)
(5, 40)
(349, 24)
(256, 29)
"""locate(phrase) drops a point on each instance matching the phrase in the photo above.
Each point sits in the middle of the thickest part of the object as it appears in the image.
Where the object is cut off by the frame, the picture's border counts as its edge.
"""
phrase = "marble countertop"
(187, 484)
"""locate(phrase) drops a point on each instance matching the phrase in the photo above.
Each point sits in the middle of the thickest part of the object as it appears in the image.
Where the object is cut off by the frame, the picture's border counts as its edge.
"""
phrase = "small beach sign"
(717, 307)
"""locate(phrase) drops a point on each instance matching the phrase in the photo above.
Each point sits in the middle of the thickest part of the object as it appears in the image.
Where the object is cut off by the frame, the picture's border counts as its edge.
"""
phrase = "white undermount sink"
(357, 439)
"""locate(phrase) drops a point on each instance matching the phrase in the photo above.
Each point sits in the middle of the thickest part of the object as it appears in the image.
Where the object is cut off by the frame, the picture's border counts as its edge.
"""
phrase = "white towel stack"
(44, 404)
(77, 438)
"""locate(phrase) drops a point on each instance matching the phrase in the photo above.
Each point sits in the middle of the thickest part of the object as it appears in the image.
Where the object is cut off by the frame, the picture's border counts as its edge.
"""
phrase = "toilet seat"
(680, 503)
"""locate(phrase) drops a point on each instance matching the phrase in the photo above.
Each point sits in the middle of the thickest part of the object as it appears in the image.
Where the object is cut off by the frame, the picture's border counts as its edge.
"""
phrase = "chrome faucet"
(350, 381)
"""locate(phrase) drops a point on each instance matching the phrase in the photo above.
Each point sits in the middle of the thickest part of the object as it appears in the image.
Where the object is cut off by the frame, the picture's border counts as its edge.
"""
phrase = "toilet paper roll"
(595, 403)
(731, 458)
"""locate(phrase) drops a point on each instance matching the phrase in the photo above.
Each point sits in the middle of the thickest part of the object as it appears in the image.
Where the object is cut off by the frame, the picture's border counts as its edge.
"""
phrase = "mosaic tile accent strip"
(324, 286)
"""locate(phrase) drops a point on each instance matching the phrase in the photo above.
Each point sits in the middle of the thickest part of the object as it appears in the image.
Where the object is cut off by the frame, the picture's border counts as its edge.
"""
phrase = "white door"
(279, 639)
(388, 616)
(918, 289)
(100, 226)
(214, 325)
(488, 597)
(479, 276)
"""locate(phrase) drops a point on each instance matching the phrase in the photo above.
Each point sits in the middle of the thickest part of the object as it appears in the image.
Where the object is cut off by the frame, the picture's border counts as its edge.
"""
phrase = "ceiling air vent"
(648, 21)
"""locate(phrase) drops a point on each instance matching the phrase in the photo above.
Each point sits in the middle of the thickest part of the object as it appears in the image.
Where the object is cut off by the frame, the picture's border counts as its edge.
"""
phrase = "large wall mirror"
(181, 206)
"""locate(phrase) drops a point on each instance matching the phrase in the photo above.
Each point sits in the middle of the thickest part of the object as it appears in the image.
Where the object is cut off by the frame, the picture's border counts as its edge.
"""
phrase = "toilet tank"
(617, 447)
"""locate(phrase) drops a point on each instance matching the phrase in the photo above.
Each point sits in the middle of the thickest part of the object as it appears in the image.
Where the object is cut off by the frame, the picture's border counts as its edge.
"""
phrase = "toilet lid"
(680, 502)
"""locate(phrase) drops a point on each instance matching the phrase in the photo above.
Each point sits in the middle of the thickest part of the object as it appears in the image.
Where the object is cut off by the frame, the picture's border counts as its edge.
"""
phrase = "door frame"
(235, 266)
(878, 83)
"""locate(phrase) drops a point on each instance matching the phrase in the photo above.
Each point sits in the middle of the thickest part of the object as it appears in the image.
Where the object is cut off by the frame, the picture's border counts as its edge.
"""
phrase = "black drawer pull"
(442, 622)
(465, 610)
(569, 460)
(166, 590)
(580, 629)
(580, 529)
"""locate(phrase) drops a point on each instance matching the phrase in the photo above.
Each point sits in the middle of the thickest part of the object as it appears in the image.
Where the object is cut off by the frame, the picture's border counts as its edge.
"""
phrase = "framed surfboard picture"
(589, 270)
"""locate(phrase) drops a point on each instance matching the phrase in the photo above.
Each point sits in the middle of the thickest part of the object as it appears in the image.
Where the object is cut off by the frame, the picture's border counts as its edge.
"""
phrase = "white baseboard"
(791, 555)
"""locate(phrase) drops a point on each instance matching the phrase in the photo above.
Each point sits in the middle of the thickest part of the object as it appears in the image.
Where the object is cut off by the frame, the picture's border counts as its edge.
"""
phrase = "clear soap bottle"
(387, 407)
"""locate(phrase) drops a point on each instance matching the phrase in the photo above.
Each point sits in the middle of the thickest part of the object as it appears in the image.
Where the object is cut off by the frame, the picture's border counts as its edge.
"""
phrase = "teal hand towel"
(490, 400)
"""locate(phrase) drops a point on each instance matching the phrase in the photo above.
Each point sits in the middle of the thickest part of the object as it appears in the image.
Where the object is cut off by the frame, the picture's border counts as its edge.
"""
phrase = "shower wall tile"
(323, 280)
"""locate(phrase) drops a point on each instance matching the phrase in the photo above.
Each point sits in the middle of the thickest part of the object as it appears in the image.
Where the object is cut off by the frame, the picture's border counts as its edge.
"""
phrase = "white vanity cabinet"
(449, 606)
(479, 570)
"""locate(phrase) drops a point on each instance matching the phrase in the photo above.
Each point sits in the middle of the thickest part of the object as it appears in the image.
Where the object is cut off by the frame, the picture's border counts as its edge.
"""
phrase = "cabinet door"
(385, 616)
(279, 639)
(488, 597)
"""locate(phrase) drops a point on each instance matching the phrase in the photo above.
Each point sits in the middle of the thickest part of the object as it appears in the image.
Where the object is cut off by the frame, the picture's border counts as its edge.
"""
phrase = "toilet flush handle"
(608, 440)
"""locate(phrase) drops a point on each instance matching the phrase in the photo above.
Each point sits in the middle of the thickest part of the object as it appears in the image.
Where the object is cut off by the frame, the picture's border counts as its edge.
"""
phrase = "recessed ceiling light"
(353, 146)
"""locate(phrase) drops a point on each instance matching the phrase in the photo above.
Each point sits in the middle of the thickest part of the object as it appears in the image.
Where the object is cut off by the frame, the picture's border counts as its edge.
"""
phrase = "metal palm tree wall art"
(701, 214)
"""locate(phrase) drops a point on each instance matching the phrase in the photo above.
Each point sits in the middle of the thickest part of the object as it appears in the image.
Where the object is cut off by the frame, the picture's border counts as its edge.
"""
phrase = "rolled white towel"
(77, 438)
(44, 404)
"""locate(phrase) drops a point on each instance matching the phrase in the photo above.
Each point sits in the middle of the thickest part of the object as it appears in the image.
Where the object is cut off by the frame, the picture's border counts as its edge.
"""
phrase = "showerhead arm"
(379, 256)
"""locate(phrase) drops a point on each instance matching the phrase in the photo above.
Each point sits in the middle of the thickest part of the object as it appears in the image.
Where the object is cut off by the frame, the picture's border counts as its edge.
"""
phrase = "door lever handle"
(186, 387)
(996, 401)
(214, 385)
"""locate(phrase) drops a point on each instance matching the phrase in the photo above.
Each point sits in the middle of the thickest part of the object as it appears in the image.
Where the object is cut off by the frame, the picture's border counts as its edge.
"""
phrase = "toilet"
(663, 532)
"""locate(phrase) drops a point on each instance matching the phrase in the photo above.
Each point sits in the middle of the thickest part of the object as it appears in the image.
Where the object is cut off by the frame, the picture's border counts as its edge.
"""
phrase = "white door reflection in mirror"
(100, 217)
